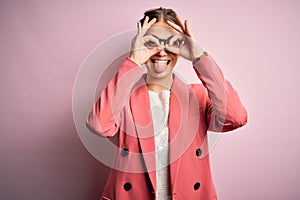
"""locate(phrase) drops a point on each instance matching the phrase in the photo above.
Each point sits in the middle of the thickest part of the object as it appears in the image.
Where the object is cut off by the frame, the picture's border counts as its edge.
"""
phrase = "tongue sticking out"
(160, 66)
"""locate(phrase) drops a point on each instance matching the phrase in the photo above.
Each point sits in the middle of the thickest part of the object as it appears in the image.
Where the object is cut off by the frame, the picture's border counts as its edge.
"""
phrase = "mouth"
(160, 65)
(161, 61)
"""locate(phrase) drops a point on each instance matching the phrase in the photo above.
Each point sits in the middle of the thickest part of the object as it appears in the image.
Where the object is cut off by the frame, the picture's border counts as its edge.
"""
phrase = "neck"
(159, 84)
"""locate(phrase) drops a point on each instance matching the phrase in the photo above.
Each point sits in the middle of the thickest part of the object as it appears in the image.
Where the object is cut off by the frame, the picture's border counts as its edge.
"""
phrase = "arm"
(225, 111)
(105, 117)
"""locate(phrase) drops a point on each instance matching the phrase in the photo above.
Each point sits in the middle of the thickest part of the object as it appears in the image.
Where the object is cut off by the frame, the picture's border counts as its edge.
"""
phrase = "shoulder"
(199, 90)
(196, 89)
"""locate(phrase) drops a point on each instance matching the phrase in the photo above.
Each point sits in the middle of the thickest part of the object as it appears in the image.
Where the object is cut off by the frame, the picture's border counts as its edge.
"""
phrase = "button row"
(198, 152)
(125, 152)
(127, 186)
(197, 186)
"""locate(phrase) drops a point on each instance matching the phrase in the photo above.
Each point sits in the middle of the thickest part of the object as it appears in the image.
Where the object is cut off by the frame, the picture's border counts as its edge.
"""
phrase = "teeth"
(160, 61)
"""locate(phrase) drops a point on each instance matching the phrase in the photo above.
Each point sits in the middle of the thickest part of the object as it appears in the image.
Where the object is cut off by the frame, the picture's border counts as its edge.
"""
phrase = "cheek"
(175, 59)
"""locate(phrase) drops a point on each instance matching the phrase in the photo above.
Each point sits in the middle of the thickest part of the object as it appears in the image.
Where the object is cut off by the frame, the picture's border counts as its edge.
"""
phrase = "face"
(161, 64)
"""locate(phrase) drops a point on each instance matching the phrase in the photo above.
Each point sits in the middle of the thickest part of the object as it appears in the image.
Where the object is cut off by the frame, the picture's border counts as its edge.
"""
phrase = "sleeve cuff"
(134, 61)
(200, 57)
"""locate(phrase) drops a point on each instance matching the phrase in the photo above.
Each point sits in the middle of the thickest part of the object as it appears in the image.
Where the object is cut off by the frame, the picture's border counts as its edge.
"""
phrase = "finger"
(139, 27)
(155, 50)
(179, 36)
(143, 25)
(150, 37)
(145, 20)
(151, 22)
(173, 49)
(176, 40)
(147, 25)
(180, 23)
(188, 30)
(150, 41)
(175, 26)
(175, 43)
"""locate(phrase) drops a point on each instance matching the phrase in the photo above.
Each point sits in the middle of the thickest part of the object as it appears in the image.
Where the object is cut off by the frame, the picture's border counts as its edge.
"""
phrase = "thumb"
(155, 50)
(173, 49)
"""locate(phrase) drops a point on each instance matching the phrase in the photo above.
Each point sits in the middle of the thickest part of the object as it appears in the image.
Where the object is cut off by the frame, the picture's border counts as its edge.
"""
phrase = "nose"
(162, 52)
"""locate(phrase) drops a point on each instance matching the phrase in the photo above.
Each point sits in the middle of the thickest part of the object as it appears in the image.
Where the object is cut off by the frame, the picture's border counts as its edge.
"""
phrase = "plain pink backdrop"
(43, 44)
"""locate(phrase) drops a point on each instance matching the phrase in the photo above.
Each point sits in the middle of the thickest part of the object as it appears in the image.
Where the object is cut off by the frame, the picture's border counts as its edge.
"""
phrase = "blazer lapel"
(178, 116)
(179, 134)
(140, 106)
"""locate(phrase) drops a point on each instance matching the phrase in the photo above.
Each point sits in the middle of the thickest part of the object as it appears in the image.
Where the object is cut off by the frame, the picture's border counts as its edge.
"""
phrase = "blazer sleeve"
(224, 110)
(105, 117)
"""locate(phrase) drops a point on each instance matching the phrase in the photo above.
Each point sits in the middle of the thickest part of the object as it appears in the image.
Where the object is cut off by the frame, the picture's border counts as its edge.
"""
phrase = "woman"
(160, 123)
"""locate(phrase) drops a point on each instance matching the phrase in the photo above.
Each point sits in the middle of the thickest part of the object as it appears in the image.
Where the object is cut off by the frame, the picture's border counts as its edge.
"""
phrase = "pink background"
(43, 44)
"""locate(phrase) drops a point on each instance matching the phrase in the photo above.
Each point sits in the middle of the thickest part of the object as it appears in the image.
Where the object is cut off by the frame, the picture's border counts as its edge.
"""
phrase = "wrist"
(204, 53)
(133, 60)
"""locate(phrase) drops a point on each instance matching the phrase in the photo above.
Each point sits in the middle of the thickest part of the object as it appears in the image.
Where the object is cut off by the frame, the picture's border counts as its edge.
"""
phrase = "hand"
(139, 52)
(184, 44)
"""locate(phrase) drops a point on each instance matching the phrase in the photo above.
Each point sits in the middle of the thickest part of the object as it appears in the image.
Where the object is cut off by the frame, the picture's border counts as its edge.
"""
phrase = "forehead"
(161, 30)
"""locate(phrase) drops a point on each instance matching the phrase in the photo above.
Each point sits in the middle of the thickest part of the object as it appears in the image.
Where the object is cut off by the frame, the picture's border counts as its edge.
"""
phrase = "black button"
(124, 152)
(197, 186)
(198, 152)
(127, 186)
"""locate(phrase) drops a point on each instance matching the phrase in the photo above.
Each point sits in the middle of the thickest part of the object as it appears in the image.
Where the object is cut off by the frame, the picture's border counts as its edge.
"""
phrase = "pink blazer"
(123, 112)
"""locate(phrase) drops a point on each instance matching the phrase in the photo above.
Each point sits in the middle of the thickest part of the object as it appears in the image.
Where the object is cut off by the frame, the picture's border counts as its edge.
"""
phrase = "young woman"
(160, 123)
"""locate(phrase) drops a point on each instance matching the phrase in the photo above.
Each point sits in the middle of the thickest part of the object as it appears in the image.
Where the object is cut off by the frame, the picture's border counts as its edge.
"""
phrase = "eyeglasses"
(152, 44)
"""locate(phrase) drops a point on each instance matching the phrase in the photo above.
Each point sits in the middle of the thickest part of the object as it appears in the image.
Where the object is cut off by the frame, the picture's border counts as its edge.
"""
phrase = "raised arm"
(224, 110)
(105, 117)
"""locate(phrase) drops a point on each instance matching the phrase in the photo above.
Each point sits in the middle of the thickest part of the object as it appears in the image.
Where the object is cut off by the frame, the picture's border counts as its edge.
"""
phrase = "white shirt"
(159, 104)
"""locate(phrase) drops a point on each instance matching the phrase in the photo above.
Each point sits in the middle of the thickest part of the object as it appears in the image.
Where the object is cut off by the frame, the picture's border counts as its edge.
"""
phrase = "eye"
(150, 44)
(177, 43)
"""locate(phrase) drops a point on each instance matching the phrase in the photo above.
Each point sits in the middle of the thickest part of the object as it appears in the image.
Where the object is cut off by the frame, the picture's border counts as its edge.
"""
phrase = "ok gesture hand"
(189, 47)
(139, 52)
